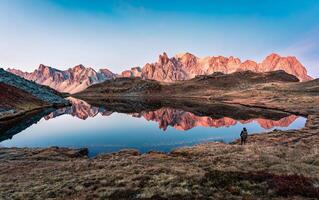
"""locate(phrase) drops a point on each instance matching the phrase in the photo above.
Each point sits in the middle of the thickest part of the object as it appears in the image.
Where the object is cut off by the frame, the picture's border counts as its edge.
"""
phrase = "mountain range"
(179, 67)
(186, 66)
(72, 80)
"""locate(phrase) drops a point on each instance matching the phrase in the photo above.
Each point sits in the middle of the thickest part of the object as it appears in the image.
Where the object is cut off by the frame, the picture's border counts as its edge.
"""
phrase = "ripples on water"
(160, 129)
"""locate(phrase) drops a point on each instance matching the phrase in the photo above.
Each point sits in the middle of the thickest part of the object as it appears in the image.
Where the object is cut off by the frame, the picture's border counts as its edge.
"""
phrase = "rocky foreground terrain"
(275, 165)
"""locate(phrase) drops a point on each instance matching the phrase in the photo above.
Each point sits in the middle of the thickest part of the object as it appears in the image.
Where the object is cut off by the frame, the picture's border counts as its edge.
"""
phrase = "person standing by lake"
(243, 136)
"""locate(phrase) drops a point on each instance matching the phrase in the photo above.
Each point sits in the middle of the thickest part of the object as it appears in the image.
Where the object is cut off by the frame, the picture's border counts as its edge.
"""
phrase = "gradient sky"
(122, 34)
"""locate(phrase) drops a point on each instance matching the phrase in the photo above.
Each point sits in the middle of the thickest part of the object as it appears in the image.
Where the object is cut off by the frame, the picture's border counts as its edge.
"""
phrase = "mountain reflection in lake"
(114, 126)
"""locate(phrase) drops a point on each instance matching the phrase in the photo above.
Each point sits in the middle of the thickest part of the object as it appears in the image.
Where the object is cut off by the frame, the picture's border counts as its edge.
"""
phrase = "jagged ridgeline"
(180, 67)
(71, 80)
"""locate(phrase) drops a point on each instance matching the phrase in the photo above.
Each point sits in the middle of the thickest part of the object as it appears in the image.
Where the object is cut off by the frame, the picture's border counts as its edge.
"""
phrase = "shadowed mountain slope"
(41, 92)
(19, 95)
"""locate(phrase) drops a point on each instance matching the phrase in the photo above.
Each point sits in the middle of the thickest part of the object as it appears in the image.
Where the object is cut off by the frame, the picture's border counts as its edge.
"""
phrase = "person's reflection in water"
(243, 136)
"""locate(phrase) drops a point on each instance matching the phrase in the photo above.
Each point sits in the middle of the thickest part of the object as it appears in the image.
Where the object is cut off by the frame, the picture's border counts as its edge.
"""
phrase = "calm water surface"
(163, 129)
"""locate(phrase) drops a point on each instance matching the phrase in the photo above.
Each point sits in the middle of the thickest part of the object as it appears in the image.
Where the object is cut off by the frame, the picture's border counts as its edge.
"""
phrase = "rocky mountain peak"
(106, 71)
(45, 71)
(186, 58)
(138, 68)
(185, 55)
(163, 59)
(289, 64)
(16, 72)
(43, 68)
(133, 72)
(273, 56)
(79, 67)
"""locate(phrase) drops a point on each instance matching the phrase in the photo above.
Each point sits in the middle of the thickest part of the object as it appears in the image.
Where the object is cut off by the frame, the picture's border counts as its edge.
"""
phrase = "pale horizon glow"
(122, 34)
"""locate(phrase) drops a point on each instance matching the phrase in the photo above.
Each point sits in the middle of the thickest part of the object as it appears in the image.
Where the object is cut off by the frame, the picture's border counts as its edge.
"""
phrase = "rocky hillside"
(41, 92)
(20, 95)
(14, 99)
(72, 80)
(186, 66)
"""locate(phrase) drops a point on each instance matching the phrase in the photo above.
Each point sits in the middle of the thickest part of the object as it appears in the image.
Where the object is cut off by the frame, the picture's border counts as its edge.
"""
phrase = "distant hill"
(200, 84)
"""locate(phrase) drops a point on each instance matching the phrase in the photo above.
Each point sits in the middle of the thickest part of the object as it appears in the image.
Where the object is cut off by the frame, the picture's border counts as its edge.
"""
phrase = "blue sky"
(122, 34)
